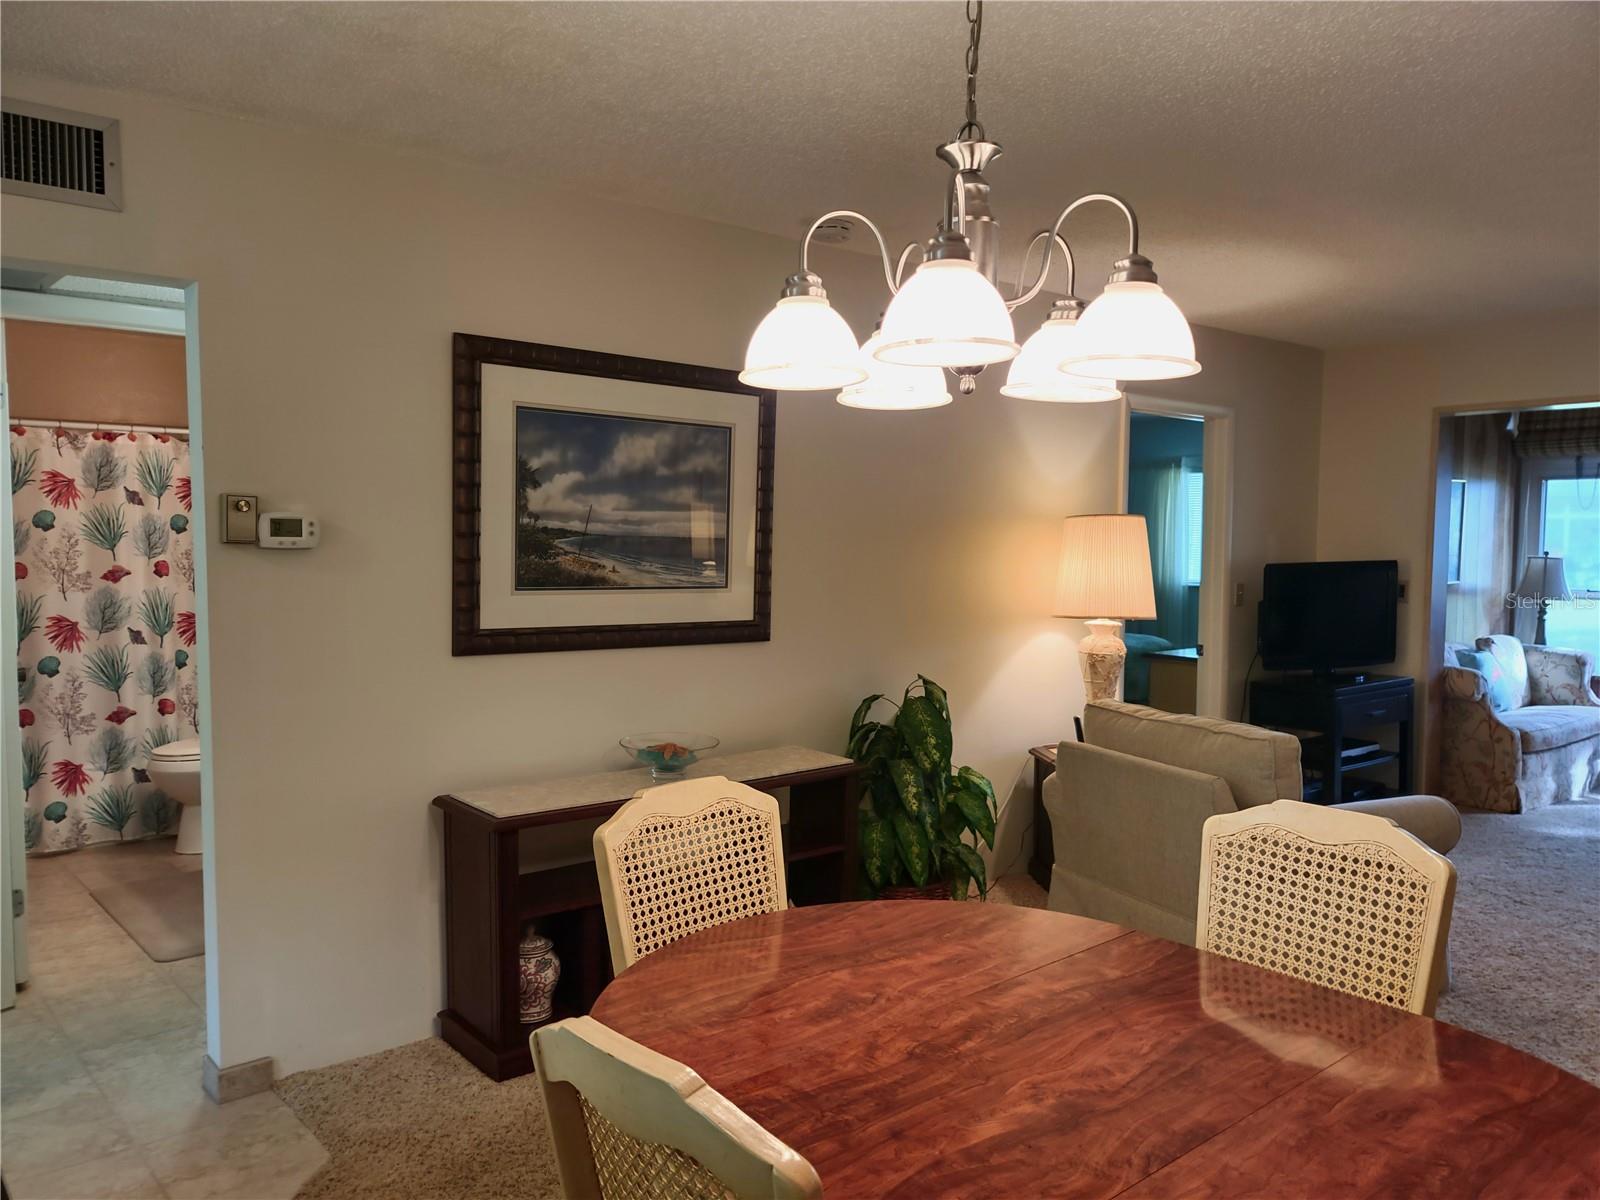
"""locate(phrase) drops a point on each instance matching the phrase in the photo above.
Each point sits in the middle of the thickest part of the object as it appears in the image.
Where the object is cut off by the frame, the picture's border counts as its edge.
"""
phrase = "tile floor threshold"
(100, 1060)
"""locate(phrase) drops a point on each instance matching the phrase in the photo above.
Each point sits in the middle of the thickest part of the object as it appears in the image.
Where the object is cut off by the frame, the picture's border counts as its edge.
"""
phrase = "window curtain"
(1156, 489)
(105, 629)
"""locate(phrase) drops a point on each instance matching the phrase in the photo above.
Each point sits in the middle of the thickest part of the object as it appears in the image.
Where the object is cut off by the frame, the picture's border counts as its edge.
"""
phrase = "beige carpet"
(165, 914)
(1525, 939)
(420, 1121)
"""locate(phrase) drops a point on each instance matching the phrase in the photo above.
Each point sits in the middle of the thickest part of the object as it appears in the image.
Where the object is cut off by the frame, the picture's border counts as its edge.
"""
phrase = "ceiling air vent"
(54, 154)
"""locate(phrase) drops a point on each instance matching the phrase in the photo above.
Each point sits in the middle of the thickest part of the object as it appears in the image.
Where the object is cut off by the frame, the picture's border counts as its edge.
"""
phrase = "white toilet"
(175, 769)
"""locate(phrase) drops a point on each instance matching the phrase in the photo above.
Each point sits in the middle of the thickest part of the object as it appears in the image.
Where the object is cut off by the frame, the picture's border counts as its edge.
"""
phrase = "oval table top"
(923, 1048)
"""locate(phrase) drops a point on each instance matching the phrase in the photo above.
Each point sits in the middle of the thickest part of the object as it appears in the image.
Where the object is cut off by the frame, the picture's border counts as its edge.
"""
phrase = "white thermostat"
(286, 531)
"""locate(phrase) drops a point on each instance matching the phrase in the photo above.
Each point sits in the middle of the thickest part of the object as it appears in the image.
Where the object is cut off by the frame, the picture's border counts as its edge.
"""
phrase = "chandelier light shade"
(1036, 373)
(1133, 330)
(802, 345)
(892, 386)
(947, 315)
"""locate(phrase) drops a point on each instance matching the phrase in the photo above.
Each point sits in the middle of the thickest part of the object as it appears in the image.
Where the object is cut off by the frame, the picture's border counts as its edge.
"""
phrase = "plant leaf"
(862, 709)
(937, 694)
(975, 779)
(915, 852)
(975, 808)
(926, 733)
(877, 850)
(908, 783)
(972, 863)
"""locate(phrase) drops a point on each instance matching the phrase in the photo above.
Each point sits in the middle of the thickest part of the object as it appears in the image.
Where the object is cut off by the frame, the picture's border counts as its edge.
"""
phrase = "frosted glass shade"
(892, 386)
(1133, 331)
(802, 345)
(1105, 569)
(1036, 373)
(947, 315)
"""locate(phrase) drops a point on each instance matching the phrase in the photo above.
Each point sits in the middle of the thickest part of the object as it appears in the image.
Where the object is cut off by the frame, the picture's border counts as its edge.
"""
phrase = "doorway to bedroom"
(1166, 486)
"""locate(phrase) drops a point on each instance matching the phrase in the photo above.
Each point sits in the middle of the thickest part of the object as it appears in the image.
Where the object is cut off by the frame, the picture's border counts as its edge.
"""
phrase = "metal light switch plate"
(239, 518)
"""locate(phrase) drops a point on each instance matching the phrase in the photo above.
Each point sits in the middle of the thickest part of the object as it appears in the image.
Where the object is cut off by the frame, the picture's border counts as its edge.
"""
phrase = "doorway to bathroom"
(105, 860)
(1176, 465)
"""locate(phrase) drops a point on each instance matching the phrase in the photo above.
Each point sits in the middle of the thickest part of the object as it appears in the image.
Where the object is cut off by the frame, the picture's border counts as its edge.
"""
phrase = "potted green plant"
(918, 810)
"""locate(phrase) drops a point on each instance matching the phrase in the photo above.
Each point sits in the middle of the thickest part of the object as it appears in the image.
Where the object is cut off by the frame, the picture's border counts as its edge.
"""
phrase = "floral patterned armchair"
(1544, 749)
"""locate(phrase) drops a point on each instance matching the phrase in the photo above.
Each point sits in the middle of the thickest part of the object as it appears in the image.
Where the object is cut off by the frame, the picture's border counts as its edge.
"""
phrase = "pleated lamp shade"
(1105, 569)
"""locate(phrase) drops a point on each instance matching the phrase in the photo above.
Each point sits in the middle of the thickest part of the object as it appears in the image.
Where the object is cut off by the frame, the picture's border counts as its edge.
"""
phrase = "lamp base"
(1101, 656)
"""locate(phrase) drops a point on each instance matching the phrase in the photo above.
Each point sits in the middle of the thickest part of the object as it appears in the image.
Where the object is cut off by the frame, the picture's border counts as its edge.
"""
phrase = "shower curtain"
(105, 629)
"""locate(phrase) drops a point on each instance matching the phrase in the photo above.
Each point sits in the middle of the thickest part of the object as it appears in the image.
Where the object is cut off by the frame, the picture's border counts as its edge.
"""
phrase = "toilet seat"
(187, 750)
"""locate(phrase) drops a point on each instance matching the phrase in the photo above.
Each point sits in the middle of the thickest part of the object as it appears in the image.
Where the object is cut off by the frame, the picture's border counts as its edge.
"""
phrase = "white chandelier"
(949, 316)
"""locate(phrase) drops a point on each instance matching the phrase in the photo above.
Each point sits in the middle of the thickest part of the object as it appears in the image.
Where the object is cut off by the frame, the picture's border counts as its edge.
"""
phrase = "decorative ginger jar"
(538, 969)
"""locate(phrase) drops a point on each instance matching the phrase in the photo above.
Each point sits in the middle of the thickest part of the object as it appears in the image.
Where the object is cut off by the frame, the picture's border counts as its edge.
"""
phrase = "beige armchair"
(1128, 807)
(1543, 750)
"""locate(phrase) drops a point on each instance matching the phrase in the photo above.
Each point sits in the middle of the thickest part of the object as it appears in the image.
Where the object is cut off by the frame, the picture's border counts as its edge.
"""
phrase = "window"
(1194, 490)
(1561, 515)
(1458, 520)
(1570, 517)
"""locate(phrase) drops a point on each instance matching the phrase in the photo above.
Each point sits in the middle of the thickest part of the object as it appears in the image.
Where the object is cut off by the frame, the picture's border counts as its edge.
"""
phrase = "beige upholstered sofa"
(1543, 750)
(1127, 807)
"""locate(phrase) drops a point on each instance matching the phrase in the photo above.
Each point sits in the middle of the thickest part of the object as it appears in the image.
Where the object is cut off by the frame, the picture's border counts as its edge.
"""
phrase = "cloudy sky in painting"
(642, 476)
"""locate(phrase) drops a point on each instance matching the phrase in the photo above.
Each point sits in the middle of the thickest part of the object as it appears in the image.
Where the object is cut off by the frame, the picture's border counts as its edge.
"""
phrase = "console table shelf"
(488, 898)
(1326, 711)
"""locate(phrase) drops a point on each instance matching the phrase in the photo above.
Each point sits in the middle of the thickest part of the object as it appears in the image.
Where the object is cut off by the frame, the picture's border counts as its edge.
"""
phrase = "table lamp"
(1104, 580)
(1543, 579)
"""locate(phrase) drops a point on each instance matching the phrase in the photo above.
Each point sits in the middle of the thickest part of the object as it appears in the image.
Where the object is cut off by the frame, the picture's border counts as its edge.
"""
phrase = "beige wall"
(330, 277)
(1380, 412)
(80, 373)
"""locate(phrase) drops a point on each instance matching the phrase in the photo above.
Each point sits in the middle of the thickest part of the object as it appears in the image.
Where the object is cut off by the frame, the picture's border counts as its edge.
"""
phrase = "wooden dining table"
(920, 1049)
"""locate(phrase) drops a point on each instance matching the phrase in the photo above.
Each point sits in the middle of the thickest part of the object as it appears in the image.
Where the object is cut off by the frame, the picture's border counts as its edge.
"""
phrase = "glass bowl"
(667, 755)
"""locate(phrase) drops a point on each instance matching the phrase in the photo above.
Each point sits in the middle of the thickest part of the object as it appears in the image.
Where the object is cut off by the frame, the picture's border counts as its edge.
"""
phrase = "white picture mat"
(501, 606)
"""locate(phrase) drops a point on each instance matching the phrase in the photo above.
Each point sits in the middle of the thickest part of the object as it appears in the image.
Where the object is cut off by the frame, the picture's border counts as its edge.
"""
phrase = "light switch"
(239, 519)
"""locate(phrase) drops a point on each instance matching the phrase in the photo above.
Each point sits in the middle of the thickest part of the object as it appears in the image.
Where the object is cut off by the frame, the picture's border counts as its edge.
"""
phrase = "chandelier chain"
(973, 126)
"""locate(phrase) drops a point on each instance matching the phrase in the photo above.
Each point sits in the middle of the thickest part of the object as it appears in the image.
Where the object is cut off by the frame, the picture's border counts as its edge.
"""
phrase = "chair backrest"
(628, 1122)
(1343, 899)
(684, 856)
(1258, 765)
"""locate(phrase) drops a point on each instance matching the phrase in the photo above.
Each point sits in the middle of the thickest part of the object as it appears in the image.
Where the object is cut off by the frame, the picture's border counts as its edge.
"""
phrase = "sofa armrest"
(1559, 676)
(1465, 684)
(1432, 820)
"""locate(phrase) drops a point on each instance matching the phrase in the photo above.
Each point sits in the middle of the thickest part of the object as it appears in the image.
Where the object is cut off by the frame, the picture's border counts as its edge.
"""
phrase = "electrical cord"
(1244, 700)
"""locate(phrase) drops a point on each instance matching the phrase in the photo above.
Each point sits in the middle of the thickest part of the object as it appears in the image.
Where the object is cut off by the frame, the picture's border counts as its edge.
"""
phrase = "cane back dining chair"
(685, 856)
(1343, 899)
(629, 1123)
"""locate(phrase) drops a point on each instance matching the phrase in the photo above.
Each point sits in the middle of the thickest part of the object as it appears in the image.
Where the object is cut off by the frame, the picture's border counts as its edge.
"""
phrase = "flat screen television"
(1328, 616)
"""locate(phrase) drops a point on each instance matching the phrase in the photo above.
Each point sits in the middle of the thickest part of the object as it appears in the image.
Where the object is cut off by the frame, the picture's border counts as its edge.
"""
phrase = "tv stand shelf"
(1331, 708)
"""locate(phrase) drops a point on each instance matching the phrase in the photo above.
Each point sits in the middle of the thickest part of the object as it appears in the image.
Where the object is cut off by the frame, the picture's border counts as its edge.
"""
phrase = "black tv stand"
(1324, 710)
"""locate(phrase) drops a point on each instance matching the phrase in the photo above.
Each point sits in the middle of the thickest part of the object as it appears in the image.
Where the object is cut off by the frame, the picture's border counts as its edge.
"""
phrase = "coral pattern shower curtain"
(105, 628)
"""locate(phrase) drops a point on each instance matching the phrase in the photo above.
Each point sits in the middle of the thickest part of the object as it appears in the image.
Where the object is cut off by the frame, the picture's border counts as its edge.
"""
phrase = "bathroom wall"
(330, 277)
(80, 373)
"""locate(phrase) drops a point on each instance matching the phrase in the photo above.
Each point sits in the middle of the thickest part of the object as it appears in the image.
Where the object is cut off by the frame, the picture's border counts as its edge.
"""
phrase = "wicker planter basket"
(933, 891)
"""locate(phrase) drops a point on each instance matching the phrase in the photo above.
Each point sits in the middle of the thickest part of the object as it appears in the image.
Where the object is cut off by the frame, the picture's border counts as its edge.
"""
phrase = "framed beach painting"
(603, 501)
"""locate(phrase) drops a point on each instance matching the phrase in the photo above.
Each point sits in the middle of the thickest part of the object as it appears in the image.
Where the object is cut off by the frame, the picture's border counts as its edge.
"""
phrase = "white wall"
(331, 275)
(1380, 411)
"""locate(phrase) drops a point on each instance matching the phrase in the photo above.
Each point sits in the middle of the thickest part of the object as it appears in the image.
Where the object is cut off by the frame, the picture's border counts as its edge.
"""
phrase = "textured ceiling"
(1324, 173)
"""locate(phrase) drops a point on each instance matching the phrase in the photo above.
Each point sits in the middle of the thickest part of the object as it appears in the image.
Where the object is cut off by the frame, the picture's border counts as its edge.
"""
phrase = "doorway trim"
(1211, 682)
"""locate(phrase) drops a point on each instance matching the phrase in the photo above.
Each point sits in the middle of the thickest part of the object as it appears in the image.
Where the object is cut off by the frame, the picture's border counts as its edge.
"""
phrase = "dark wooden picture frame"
(470, 352)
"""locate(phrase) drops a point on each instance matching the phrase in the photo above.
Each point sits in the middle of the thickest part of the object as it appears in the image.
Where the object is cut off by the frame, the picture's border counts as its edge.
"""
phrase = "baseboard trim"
(223, 1084)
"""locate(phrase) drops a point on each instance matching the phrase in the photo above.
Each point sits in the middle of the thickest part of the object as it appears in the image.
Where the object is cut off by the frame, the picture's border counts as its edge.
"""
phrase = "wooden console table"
(488, 899)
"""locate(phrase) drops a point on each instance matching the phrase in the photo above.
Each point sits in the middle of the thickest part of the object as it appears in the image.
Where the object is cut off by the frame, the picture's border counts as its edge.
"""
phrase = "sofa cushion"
(1508, 653)
(1258, 765)
(1551, 726)
(1497, 685)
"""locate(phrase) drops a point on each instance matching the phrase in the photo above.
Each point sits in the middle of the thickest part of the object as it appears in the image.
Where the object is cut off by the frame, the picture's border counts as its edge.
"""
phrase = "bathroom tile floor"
(100, 1060)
